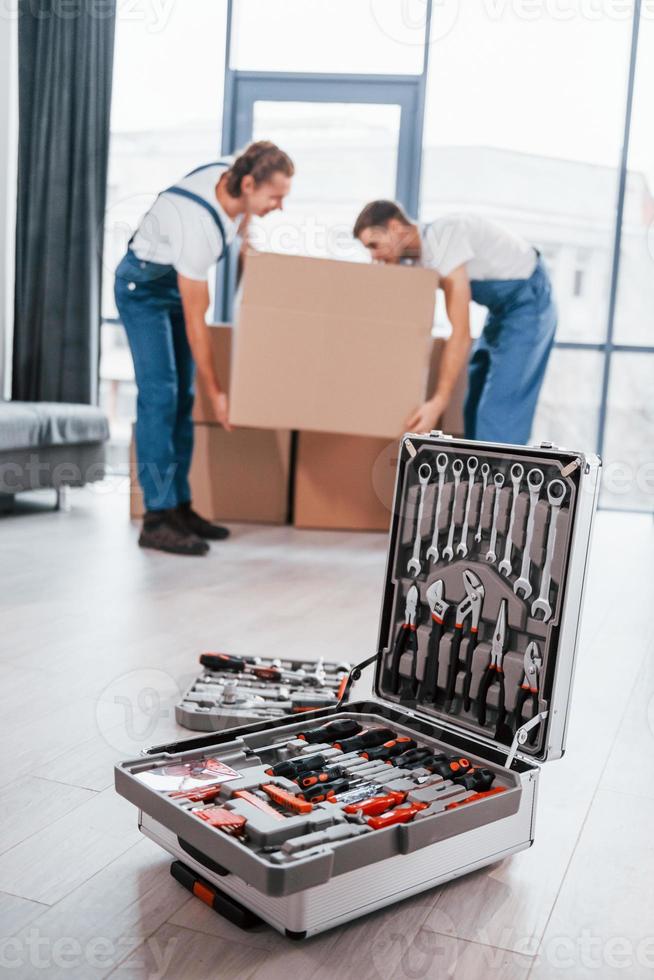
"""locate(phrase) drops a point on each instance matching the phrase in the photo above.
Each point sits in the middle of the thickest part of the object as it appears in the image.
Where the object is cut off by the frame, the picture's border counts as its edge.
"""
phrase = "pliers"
(406, 640)
(438, 607)
(533, 663)
(494, 671)
(470, 606)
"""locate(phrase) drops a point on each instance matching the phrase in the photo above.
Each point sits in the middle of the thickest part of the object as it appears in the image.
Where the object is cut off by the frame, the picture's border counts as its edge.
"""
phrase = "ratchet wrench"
(535, 480)
(556, 495)
(424, 476)
(448, 550)
(441, 466)
(517, 472)
(462, 547)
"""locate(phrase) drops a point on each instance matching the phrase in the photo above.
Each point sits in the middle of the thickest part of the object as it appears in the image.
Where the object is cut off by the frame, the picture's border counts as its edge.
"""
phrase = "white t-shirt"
(180, 232)
(487, 250)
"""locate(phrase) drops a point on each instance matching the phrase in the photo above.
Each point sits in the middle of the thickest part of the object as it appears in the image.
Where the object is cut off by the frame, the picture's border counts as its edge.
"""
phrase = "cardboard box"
(330, 346)
(344, 482)
(242, 475)
(347, 482)
(452, 421)
(220, 336)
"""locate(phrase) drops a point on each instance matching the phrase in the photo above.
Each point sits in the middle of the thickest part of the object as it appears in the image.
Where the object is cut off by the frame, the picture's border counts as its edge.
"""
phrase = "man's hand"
(220, 408)
(425, 418)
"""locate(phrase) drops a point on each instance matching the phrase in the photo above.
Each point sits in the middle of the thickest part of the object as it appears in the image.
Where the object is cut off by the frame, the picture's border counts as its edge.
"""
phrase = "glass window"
(634, 315)
(524, 124)
(628, 446)
(373, 37)
(345, 154)
(568, 408)
(166, 118)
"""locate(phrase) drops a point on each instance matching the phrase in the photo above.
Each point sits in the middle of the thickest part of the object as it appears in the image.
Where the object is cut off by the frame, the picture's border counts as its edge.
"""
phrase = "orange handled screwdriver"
(477, 796)
(401, 815)
(377, 805)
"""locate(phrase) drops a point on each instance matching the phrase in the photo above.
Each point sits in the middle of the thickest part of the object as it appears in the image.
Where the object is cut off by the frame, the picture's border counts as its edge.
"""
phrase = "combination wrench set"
(479, 562)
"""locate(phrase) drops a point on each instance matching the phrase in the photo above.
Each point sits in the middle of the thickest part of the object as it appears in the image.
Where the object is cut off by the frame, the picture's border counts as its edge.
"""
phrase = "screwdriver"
(333, 730)
(290, 768)
(324, 791)
(476, 796)
(378, 804)
(314, 776)
(449, 768)
(367, 739)
(400, 815)
(389, 749)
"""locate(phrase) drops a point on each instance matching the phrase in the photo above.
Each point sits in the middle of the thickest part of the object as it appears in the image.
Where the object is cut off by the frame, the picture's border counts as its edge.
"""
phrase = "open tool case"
(473, 674)
(234, 690)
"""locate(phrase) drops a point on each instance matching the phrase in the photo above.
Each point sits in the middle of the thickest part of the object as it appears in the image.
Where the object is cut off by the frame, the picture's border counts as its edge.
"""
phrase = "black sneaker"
(188, 519)
(163, 534)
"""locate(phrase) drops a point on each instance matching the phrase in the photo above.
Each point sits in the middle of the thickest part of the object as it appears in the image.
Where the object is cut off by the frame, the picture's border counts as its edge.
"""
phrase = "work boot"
(188, 519)
(162, 531)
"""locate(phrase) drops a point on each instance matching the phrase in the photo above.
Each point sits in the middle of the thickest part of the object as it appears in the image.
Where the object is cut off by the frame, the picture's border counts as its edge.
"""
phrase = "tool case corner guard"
(478, 633)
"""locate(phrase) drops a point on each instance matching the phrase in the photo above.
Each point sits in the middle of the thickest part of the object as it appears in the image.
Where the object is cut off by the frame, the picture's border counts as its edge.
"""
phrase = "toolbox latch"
(522, 735)
(355, 675)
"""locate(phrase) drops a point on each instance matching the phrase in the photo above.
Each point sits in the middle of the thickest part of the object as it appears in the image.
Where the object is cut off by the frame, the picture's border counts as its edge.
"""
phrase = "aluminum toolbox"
(220, 697)
(472, 661)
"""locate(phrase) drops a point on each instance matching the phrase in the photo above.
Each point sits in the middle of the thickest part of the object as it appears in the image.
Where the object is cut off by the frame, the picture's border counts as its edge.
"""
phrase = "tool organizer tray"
(472, 682)
(232, 691)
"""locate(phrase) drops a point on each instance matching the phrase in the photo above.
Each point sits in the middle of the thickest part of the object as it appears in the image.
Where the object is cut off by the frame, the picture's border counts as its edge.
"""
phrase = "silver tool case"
(338, 881)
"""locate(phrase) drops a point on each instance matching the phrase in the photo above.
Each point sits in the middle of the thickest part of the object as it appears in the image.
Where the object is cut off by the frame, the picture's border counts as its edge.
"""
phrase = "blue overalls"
(508, 362)
(150, 306)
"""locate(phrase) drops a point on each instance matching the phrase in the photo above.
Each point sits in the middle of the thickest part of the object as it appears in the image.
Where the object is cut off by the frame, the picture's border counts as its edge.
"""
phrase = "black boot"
(188, 519)
(163, 532)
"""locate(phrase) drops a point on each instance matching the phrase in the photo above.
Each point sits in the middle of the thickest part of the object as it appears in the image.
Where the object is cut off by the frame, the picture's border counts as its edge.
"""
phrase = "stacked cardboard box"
(347, 482)
(342, 354)
(235, 476)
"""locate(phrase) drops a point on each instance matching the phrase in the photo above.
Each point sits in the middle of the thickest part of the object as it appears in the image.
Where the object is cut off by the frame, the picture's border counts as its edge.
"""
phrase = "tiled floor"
(90, 623)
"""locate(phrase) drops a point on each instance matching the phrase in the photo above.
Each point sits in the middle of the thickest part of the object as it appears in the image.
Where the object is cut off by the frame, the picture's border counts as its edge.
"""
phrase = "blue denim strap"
(203, 203)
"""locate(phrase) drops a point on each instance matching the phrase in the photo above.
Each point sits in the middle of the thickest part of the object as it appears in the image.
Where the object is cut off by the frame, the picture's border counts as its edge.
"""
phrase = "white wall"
(8, 150)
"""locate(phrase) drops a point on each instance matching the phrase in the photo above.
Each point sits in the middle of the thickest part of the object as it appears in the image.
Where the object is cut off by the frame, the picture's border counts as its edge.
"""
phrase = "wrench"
(485, 470)
(535, 480)
(491, 556)
(517, 472)
(462, 547)
(441, 466)
(556, 495)
(424, 475)
(448, 550)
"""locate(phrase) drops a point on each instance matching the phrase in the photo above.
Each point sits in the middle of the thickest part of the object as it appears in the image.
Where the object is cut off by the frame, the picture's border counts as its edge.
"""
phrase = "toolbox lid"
(477, 517)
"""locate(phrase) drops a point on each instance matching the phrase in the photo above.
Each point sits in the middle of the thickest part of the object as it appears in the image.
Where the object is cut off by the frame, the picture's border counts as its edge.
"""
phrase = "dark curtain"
(65, 55)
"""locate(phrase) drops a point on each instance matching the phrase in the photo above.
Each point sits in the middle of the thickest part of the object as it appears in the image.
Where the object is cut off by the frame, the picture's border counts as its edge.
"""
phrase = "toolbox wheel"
(295, 936)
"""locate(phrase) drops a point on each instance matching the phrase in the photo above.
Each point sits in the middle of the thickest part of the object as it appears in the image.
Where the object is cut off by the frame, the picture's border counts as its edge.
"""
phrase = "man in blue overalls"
(478, 260)
(162, 296)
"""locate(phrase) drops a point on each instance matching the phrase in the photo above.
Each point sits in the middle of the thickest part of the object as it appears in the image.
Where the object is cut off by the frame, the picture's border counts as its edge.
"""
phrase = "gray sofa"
(47, 445)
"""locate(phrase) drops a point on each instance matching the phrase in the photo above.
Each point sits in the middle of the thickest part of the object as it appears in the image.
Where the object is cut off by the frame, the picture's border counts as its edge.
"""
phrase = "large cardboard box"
(242, 475)
(347, 482)
(452, 420)
(330, 346)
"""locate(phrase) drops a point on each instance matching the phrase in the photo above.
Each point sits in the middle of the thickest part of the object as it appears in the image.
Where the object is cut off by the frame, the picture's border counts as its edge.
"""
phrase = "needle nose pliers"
(533, 663)
(495, 670)
(406, 641)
